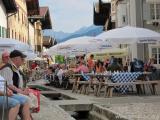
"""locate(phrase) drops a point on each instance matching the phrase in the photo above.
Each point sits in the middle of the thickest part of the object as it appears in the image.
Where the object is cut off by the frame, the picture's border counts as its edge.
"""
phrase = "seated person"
(14, 102)
(149, 66)
(90, 63)
(12, 74)
(49, 74)
(115, 66)
(81, 68)
(99, 67)
(61, 74)
(106, 63)
(137, 65)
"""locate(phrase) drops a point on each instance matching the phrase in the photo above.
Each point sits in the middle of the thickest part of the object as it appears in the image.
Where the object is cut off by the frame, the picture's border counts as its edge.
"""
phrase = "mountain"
(84, 31)
(58, 35)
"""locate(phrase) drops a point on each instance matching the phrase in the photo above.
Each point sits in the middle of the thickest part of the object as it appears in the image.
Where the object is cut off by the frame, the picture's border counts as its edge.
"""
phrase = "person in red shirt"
(91, 63)
(81, 68)
(33, 65)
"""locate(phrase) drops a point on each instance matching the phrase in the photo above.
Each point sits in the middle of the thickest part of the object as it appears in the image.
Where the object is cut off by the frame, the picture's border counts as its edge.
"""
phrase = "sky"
(69, 15)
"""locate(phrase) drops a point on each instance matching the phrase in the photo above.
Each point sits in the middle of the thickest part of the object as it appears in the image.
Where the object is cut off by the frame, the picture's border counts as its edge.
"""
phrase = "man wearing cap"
(12, 74)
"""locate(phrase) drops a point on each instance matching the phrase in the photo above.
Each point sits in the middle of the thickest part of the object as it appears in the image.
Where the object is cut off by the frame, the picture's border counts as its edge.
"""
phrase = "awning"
(117, 52)
(46, 22)
(10, 5)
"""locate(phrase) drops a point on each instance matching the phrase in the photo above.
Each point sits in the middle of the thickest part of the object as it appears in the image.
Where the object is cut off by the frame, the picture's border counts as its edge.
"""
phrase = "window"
(12, 34)
(18, 16)
(8, 33)
(3, 32)
(22, 18)
(156, 55)
(0, 32)
(124, 19)
(158, 11)
(155, 11)
(152, 11)
(15, 35)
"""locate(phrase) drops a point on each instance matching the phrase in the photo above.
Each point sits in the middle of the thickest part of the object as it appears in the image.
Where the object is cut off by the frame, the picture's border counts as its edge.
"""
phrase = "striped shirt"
(2, 84)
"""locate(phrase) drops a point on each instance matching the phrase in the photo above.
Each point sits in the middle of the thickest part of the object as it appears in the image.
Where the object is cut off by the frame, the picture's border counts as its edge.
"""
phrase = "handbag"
(35, 100)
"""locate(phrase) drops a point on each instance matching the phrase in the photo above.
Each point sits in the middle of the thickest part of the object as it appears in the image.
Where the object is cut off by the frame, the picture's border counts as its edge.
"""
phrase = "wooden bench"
(139, 84)
(89, 85)
(83, 86)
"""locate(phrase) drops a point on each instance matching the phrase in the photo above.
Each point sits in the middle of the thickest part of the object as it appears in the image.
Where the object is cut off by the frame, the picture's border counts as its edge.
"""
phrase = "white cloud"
(70, 15)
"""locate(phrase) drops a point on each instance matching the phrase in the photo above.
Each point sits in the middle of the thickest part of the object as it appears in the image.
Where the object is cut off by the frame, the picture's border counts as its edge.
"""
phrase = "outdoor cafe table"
(124, 77)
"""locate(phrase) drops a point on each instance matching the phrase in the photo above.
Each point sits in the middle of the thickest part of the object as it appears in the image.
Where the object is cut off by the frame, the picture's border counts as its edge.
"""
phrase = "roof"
(46, 22)
(43, 16)
(10, 6)
(32, 7)
(43, 11)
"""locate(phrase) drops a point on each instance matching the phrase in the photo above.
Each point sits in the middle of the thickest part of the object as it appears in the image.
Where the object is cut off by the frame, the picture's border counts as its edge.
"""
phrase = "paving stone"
(132, 107)
(138, 111)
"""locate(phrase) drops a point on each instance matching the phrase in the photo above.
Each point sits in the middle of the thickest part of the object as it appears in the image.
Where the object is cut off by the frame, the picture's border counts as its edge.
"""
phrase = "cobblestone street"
(130, 107)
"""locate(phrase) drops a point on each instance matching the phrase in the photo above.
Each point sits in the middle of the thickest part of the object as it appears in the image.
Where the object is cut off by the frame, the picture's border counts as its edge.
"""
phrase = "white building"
(140, 13)
(7, 7)
(3, 21)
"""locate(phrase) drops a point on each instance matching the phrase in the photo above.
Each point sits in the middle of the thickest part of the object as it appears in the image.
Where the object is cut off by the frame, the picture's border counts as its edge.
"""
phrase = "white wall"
(122, 15)
(3, 15)
(132, 13)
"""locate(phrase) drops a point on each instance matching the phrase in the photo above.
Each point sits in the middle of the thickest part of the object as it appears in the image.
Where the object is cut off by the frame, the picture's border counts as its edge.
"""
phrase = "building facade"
(140, 13)
(18, 23)
(7, 7)
(39, 17)
(31, 36)
(38, 36)
(3, 21)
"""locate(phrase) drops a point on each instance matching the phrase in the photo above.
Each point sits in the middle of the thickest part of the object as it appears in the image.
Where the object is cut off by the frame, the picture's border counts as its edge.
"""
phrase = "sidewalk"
(51, 110)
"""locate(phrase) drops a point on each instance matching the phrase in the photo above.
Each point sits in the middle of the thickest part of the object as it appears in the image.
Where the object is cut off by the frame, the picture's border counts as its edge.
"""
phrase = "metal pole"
(7, 112)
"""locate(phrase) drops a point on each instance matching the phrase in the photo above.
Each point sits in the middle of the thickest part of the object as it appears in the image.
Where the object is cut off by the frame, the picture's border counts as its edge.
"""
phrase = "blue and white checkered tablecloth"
(124, 77)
